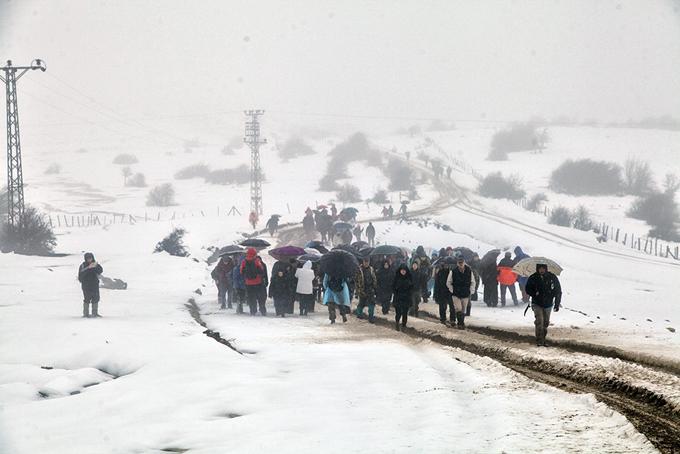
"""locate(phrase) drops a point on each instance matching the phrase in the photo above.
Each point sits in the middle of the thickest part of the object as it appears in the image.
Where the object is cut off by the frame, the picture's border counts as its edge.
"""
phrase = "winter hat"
(508, 254)
(251, 253)
(541, 265)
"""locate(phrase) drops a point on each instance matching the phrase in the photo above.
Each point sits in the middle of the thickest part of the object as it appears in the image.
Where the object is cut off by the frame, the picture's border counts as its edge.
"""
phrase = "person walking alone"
(88, 275)
(546, 293)
(402, 288)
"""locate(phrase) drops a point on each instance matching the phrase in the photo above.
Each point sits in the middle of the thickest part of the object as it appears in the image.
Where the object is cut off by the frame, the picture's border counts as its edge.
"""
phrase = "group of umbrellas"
(343, 261)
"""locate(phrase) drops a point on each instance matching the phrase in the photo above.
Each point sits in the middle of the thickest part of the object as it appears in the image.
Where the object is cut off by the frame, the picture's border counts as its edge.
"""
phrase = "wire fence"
(610, 232)
(100, 219)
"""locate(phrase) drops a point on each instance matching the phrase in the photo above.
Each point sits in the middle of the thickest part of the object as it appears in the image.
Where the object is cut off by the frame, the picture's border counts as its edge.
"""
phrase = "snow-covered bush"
(193, 171)
(520, 137)
(637, 177)
(380, 196)
(660, 211)
(348, 193)
(561, 216)
(53, 169)
(238, 175)
(587, 177)
(125, 159)
(33, 236)
(534, 203)
(161, 196)
(496, 186)
(581, 219)
(137, 180)
(399, 174)
(295, 147)
(173, 244)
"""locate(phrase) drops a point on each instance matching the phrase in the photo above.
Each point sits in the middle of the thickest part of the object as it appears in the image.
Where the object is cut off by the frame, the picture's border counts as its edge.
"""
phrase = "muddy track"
(650, 412)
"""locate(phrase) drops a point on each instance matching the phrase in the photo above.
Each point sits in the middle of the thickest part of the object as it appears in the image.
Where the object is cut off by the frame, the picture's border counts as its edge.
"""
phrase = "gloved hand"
(557, 308)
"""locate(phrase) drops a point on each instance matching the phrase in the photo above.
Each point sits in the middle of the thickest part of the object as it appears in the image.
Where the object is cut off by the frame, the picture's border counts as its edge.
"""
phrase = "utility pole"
(15, 178)
(252, 138)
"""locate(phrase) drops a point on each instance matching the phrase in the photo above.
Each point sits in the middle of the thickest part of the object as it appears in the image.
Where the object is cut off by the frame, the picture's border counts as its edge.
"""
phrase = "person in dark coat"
(346, 237)
(239, 284)
(402, 288)
(521, 280)
(366, 283)
(416, 279)
(221, 274)
(546, 293)
(280, 289)
(88, 275)
(308, 223)
(254, 273)
(358, 230)
(425, 272)
(370, 234)
(442, 295)
(273, 225)
(384, 279)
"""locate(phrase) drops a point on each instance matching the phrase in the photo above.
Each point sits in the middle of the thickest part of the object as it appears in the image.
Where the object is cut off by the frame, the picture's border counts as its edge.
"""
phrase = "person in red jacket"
(507, 278)
(254, 273)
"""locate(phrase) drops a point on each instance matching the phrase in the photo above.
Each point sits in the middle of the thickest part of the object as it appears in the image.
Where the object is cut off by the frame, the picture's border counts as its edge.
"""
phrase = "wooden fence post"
(625, 238)
(617, 235)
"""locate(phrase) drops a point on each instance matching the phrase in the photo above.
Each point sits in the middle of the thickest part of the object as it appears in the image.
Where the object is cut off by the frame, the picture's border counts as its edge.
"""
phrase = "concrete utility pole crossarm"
(15, 178)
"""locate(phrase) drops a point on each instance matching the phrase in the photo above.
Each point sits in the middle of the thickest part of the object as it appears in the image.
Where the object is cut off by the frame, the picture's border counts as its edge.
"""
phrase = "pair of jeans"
(513, 293)
(541, 321)
(344, 310)
(364, 302)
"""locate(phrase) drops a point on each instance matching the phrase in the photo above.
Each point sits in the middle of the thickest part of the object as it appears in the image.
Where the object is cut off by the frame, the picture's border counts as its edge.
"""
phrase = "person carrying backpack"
(255, 275)
(336, 294)
(221, 274)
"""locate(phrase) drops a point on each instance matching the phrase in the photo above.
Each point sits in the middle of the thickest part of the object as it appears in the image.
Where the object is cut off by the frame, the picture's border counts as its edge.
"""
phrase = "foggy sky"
(608, 60)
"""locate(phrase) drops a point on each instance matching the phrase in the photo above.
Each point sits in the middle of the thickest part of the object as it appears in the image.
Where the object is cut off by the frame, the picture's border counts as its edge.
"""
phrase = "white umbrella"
(526, 267)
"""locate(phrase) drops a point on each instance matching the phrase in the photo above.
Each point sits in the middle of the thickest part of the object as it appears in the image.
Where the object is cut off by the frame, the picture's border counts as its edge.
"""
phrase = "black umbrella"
(346, 248)
(233, 249)
(489, 258)
(365, 252)
(339, 263)
(309, 257)
(340, 226)
(255, 243)
(359, 245)
(386, 249)
(445, 261)
(318, 245)
(467, 253)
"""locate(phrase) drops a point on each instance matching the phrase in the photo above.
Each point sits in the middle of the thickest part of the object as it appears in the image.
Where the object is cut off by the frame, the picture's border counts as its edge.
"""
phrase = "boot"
(396, 325)
(458, 318)
(462, 320)
(95, 307)
(344, 318)
(86, 310)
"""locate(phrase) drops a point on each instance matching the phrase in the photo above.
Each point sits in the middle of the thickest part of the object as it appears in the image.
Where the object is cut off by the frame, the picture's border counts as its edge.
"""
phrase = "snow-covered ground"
(144, 378)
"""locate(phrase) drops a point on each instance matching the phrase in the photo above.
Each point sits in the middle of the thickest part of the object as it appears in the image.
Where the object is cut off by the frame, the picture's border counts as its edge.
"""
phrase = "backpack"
(250, 270)
(335, 284)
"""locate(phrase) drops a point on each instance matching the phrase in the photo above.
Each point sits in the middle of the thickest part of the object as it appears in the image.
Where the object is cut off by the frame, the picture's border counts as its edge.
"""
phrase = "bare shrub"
(295, 147)
(637, 177)
(137, 180)
(348, 193)
(380, 197)
(161, 196)
(660, 211)
(496, 186)
(193, 171)
(125, 159)
(238, 175)
(33, 235)
(534, 203)
(587, 177)
(581, 219)
(561, 216)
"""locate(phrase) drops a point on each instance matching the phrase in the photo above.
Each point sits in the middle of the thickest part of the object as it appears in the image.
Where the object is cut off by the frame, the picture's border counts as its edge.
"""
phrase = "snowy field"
(145, 379)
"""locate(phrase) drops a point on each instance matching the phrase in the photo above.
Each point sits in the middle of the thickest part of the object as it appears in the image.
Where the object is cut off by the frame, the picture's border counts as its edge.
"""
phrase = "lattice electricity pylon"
(15, 177)
(252, 138)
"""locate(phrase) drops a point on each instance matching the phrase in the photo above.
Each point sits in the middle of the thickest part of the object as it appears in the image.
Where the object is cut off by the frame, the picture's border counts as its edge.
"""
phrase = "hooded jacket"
(89, 277)
(402, 287)
(236, 276)
(281, 286)
(253, 260)
(366, 282)
(305, 279)
(222, 271)
(384, 280)
(544, 289)
(519, 255)
(442, 295)
(341, 297)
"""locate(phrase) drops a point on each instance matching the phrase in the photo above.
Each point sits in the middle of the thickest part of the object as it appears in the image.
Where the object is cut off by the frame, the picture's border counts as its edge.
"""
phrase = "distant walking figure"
(88, 275)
